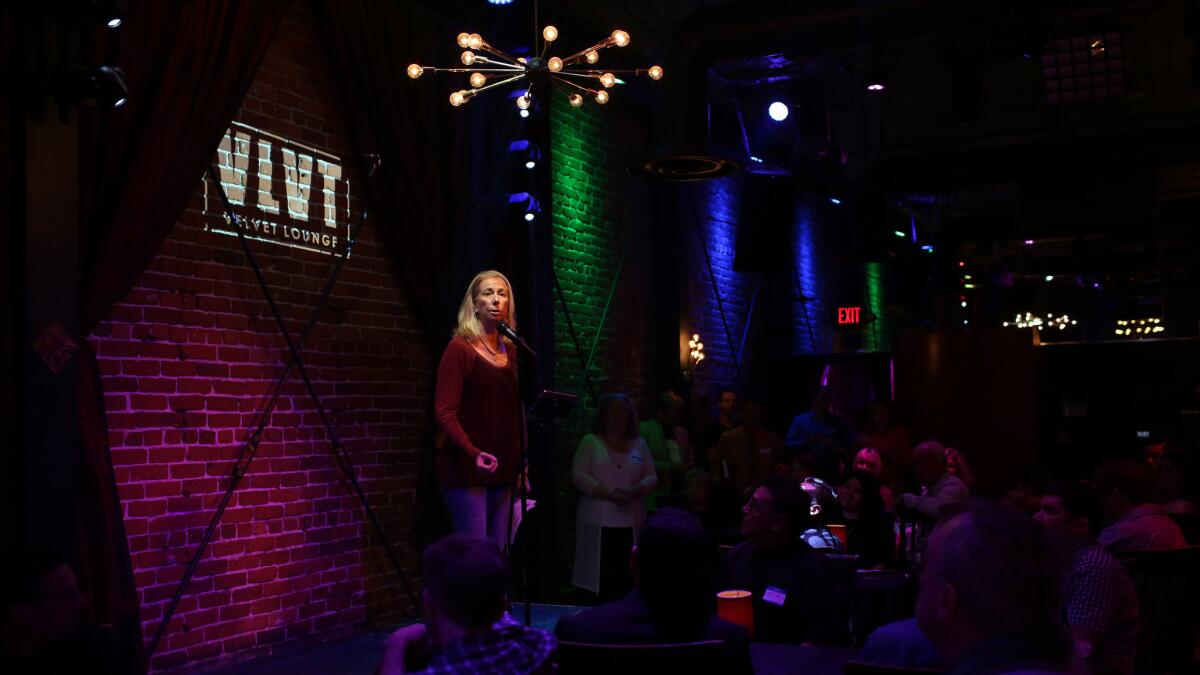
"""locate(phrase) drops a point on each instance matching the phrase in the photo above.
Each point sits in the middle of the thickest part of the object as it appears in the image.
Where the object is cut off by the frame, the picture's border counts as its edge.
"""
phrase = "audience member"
(820, 433)
(869, 460)
(823, 508)
(795, 590)
(1026, 495)
(870, 530)
(669, 444)
(1134, 523)
(1175, 482)
(940, 490)
(711, 508)
(957, 466)
(1099, 603)
(47, 624)
(901, 644)
(989, 592)
(464, 600)
(726, 420)
(673, 598)
(615, 472)
(748, 453)
(891, 440)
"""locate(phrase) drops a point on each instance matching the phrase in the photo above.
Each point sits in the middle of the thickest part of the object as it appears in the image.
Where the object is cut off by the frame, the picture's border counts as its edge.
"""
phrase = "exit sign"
(849, 316)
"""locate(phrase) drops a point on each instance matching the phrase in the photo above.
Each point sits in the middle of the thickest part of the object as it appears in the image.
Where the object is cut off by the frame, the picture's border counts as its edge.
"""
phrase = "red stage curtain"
(188, 65)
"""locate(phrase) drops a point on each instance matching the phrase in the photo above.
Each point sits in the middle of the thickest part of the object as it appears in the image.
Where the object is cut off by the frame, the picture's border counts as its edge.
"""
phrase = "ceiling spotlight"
(105, 85)
(527, 153)
(835, 201)
(876, 86)
(523, 112)
(525, 204)
(778, 111)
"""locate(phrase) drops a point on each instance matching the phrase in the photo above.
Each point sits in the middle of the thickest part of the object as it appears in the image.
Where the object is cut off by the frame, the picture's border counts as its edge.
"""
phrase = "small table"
(773, 658)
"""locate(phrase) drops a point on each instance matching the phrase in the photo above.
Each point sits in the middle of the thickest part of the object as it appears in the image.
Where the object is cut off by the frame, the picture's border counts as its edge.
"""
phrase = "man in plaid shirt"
(1099, 603)
(466, 629)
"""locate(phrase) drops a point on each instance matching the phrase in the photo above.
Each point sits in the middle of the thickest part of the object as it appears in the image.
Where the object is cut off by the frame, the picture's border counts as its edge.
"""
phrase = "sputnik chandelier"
(490, 67)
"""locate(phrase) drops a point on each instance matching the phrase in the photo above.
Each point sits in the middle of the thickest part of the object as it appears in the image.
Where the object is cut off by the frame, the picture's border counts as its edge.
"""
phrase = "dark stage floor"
(359, 655)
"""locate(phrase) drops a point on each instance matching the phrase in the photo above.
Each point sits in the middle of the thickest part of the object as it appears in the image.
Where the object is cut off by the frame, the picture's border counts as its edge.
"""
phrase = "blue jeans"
(481, 511)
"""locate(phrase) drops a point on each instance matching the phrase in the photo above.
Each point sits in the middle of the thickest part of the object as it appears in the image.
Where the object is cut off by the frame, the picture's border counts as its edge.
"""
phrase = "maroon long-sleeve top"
(478, 407)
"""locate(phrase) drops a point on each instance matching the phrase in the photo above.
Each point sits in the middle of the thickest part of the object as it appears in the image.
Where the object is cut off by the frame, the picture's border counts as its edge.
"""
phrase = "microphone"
(511, 334)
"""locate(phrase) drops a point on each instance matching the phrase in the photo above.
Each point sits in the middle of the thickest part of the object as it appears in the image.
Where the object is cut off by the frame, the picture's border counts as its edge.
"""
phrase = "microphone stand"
(521, 486)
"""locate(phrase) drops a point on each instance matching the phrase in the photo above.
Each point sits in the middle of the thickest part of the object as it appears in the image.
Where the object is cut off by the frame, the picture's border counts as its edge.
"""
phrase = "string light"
(1139, 328)
(484, 62)
(1029, 320)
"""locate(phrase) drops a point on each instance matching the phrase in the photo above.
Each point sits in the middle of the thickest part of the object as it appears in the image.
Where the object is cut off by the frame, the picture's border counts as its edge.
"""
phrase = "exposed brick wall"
(189, 358)
(717, 205)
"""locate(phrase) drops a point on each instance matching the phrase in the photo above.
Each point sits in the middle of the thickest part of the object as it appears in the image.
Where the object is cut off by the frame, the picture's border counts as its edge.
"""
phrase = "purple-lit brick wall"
(717, 204)
(188, 359)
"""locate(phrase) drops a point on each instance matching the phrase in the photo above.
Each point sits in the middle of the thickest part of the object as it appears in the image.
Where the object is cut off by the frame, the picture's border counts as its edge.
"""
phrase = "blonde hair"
(468, 324)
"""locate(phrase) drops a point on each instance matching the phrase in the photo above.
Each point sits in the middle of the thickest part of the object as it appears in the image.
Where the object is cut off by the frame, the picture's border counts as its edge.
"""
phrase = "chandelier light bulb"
(475, 41)
(478, 80)
(655, 72)
(602, 97)
(458, 98)
(550, 33)
(620, 37)
(555, 64)
(468, 57)
(576, 100)
(592, 56)
(608, 80)
(463, 39)
(523, 101)
(414, 70)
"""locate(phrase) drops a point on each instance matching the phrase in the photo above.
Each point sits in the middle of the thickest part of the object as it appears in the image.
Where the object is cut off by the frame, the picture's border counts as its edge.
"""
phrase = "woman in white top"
(614, 470)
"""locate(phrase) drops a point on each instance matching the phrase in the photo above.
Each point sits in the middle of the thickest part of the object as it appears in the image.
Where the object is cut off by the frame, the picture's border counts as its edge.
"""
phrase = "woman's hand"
(486, 463)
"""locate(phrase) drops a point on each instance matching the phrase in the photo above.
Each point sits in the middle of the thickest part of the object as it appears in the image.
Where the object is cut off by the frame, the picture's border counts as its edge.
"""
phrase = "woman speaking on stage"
(479, 409)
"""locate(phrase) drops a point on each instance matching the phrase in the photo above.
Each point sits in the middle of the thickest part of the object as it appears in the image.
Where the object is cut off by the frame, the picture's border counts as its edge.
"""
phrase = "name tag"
(775, 595)
(637, 459)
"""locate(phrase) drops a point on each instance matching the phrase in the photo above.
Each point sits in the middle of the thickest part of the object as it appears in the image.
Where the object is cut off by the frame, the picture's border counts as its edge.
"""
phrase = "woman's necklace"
(492, 354)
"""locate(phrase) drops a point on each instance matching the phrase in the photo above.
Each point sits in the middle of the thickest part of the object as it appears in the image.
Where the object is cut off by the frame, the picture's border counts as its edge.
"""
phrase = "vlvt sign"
(282, 192)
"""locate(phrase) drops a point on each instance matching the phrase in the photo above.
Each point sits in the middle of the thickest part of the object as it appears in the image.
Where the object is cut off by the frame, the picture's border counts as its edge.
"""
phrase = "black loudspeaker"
(765, 223)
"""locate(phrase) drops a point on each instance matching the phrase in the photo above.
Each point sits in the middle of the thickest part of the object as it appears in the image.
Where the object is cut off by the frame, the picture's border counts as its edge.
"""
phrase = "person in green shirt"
(669, 445)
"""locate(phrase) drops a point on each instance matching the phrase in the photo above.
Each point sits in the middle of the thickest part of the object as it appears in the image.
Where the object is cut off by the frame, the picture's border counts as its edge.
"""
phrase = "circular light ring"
(683, 167)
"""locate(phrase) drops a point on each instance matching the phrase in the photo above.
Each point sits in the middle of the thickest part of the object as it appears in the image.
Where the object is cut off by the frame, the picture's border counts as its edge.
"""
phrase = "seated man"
(745, 455)
(989, 594)
(1099, 603)
(900, 644)
(464, 598)
(672, 600)
(797, 597)
(941, 491)
(46, 622)
(1124, 488)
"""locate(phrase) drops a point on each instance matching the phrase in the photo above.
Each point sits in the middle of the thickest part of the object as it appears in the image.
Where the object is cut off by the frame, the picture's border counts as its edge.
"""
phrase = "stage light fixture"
(523, 112)
(527, 152)
(105, 85)
(835, 201)
(500, 2)
(526, 204)
(778, 110)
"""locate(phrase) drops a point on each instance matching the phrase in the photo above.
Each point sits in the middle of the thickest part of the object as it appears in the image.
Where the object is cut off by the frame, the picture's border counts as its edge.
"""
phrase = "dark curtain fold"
(420, 193)
(188, 65)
